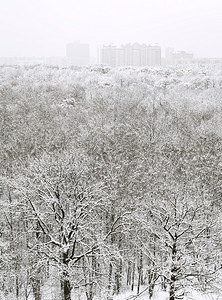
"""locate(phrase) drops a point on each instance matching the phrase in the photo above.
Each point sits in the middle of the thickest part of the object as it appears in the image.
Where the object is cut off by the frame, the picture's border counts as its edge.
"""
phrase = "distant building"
(178, 57)
(120, 57)
(169, 55)
(137, 55)
(78, 54)
(154, 55)
(109, 55)
(208, 60)
(182, 56)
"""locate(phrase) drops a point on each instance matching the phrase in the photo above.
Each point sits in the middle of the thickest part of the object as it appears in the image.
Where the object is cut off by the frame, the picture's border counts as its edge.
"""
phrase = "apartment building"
(136, 55)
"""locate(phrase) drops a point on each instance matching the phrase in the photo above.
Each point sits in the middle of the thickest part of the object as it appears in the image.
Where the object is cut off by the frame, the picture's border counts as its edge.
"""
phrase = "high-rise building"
(109, 55)
(120, 57)
(135, 51)
(182, 56)
(177, 57)
(78, 53)
(169, 55)
(137, 55)
(154, 55)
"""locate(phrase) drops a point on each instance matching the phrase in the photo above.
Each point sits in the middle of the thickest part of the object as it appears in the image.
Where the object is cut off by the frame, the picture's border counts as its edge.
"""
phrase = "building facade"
(108, 55)
(177, 57)
(136, 55)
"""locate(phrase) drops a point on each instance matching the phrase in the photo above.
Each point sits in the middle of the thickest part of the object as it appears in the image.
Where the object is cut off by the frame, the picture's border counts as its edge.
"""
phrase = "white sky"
(44, 27)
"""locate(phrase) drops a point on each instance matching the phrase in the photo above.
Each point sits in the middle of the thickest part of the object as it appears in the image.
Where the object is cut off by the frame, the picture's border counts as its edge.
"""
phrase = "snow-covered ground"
(49, 294)
(165, 296)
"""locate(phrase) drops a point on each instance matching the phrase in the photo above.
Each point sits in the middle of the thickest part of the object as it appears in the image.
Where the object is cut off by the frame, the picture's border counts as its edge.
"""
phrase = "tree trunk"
(93, 276)
(129, 271)
(65, 283)
(66, 289)
(173, 277)
(36, 288)
(138, 282)
(151, 282)
(118, 277)
(110, 278)
(133, 277)
(172, 286)
(90, 276)
(140, 271)
(151, 290)
(120, 272)
(17, 286)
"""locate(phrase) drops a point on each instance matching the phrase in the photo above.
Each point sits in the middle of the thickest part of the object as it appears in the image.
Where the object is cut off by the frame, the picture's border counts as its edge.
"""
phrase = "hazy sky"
(43, 27)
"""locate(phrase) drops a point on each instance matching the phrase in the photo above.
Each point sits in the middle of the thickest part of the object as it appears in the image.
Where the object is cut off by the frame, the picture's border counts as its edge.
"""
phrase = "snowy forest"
(110, 182)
